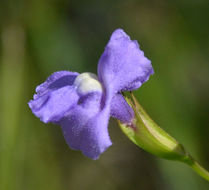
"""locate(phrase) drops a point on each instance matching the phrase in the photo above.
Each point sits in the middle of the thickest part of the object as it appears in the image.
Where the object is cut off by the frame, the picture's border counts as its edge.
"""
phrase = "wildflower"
(83, 103)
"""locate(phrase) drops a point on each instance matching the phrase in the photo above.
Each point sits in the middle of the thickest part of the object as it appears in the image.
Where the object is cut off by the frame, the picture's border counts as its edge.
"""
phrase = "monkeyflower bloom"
(83, 103)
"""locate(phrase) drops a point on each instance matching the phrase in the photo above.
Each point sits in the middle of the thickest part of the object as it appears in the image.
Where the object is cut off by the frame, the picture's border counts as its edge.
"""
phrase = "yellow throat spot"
(86, 83)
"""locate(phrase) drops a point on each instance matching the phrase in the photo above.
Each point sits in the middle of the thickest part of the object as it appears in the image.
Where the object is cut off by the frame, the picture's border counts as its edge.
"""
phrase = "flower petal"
(55, 81)
(54, 97)
(85, 127)
(123, 65)
(120, 109)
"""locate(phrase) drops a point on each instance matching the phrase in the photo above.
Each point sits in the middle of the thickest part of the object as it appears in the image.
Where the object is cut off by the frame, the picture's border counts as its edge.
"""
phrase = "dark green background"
(38, 37)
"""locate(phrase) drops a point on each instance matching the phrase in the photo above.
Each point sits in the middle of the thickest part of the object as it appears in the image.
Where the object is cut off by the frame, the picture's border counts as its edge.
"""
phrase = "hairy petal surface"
(123, 65)
(120, 109)
(54, 97)
(82, 104)
(55, 81)
(85, 127)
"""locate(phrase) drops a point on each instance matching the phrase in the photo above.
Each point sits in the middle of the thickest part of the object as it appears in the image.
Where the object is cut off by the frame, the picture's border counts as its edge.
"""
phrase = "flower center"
(87, 82)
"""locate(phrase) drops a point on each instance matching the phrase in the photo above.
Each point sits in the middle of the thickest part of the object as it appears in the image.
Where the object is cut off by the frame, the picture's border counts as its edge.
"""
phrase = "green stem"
(198, 169)
(145, 133)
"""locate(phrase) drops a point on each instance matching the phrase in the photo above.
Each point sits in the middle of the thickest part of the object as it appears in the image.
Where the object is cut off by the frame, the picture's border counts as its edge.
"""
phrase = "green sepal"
(145, 133)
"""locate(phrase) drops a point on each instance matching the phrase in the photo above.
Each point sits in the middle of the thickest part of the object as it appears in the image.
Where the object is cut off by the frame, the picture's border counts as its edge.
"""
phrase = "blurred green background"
(38, 37)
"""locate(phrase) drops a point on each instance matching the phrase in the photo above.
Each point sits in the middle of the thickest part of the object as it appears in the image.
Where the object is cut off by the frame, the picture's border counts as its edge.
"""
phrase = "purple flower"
(83, 103)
